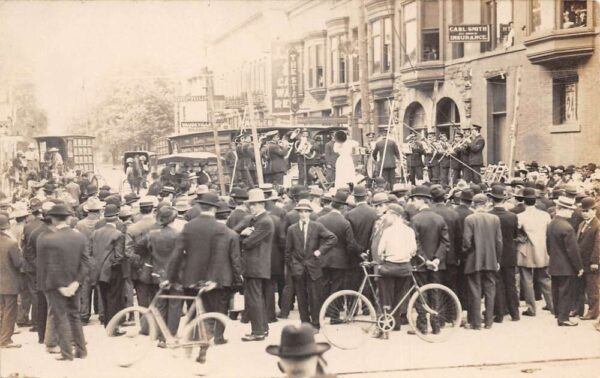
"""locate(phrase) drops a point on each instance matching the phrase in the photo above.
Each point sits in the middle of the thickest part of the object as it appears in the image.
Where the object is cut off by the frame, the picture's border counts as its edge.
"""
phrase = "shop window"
(542, 15)
(338, 59)
(430, 30)
(564, 100)
(574, 13)
(409, 28)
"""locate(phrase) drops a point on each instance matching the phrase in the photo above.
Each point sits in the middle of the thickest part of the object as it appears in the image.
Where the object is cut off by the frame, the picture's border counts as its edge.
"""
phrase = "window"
(498, 14)
(381, 45)
(574, 13)
(311, 67)
(316, 66)
(430, 30)
(338, 59)
(382, 112)
(409, 22)
(458, 9)
(542, 15)
(564, 100)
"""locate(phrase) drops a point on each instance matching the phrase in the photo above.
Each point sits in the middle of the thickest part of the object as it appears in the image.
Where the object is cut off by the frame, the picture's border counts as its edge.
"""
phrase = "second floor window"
(338, 59)
(381, 45)
(409, 22)
(316, 67)
(430, 30)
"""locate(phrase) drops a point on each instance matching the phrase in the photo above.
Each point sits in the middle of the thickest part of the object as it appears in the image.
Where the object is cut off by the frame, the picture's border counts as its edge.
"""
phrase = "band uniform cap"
(182, 206)
(360, 191)
(93, 204)
(497, 192)
(126, 211)
(298, 342)
(566, 202)
(211, 199)
(4, 222)
(237, 193)
(256, 195)
(340, 196)
(437, 191)
(60, 209)
(303, 204)
(420, 191)
(479, 199)
(588, 203)
(476, 126)
(147, 201)
(166, 215)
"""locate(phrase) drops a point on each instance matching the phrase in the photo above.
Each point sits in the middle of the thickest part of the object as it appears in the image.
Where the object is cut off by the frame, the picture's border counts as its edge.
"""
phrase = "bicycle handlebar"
(424, 262)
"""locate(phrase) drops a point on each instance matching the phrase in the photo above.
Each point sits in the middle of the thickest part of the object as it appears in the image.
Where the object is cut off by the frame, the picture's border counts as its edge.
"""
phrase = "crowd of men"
(68, 248)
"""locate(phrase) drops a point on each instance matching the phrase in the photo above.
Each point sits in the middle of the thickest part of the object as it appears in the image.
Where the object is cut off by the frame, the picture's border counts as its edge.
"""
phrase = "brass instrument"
(305, 148)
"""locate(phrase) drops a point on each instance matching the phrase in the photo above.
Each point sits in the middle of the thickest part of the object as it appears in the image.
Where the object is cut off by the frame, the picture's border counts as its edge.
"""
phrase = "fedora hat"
(466, 195)
(571, 189)
(400, 189)
(256, 196)
(379, 198)
(360, 191)
(497, 192)
(303, 204)
(209, 199)
(35, 205)
(166, 215)
(340, 197)
(238, 193)
(420, 191)
(437, 191)
(93, 204)
(130, 198)
(60, 209)
(528, 193)
(182, 206)
(298, 342)
(588, 203)
(566, 202)
(4, 222)
(110, 211)
(126, 211)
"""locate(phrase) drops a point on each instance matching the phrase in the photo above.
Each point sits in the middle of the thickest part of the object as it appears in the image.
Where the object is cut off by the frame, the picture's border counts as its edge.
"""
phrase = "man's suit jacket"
(509, 224)
(33, 244)
(64, 258)
(206, 250)
(29, 253)
(518, 209)
(476, 151)
(256, 248)
(236, 217)
(391, 153)
(452, 220)
(362, 219)
(10, 264)
(300, 258)
(278, 246)
(482, 242)
(432, 236)
(565, 259)
(463, 212)
(330, 155)
(588, 242)
(106, 249)
(292, 217)
(277, 164)
(415, 159)
(346, 251)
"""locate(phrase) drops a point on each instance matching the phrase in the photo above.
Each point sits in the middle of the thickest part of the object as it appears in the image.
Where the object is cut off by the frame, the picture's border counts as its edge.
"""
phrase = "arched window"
(447, 116)
(414, 116)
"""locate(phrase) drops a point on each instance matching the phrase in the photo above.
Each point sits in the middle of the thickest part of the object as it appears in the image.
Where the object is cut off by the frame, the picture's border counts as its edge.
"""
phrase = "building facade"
(437, 64)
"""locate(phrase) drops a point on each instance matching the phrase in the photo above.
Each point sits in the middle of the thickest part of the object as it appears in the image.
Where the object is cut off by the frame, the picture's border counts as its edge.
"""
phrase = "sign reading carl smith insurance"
(468, 33)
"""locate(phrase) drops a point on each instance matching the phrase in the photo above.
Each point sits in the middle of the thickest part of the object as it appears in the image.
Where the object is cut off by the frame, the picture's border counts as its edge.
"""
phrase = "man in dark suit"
(330, 158)
(482, 248)
(277, 163)
(256, 253)
(432, 245)
(455, 163)
(390, 149)
(475, 156)
(10, 264)
(306, 242)
(28, 250)
(207, 250)
(588, 241)
(336, 265)
(565, 261)
(414, 160)
(463, 209)
(106, 248)
(65, 264)
(507, 300)
(240, 212)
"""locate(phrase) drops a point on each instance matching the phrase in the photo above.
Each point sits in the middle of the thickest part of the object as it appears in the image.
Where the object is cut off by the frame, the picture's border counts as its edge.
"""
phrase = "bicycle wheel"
(347, 318)
(434, 312)
(197, 335)
(138, 333)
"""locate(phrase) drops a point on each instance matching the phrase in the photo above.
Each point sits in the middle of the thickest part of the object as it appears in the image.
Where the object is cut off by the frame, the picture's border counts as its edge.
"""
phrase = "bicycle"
(347, 317)
(142, 324)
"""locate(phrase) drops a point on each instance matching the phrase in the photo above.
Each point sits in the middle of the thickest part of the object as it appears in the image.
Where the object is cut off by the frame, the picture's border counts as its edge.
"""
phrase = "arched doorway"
(447, 117)
(414, 116)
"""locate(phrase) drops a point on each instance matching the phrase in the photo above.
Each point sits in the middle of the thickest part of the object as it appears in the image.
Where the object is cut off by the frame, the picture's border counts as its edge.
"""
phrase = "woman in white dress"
(344, 166)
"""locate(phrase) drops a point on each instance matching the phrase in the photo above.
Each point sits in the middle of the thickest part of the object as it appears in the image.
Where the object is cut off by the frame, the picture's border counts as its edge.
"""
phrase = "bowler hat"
(210, 199)
(147, 201)
(303, 205)
(256, 196)
(102, 194)
(110, 211)
(60, 209)
(113, 199)
(340, 197)
(466, 195)
(437, 191)
(420, 191)
(588, 203)
(166, 215)
(223, 208)
(527, 193)
(566, 202)
(298, 342)
(340, 136)
(497, 192)
(239, 193)
(296, 190)
(4, 221)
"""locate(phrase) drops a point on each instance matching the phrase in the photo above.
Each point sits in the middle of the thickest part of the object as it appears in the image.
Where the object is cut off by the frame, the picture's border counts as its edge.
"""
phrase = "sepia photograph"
(300, 188)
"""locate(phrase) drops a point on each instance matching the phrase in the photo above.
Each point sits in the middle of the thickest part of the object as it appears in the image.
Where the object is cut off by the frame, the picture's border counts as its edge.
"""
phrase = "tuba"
(304, 147)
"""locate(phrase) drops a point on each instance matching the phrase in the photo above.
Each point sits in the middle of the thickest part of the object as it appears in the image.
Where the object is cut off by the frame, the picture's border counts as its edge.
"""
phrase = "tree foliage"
(30, 120)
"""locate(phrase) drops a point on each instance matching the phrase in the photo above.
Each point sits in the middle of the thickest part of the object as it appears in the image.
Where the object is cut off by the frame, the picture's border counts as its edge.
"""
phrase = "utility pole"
(210, 103)
(255, 142)
(515, 124)
(363, 63)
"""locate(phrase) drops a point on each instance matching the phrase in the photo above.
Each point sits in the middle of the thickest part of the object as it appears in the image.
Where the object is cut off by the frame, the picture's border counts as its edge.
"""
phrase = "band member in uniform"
(246, 159)
(414, 160)
(330, 158)
(456, 150)
(388, 160)
(276, 152)
(305, 150)
(432, 158)
(444, 159)
(475, 155)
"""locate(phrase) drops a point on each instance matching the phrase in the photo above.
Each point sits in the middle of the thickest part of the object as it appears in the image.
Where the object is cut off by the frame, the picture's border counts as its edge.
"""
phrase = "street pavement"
(532, 346)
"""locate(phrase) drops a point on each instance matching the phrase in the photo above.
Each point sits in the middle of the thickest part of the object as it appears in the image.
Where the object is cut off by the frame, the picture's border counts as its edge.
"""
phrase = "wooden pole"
(255, 142)
(514, 125)
(210, 109)
(364, 69)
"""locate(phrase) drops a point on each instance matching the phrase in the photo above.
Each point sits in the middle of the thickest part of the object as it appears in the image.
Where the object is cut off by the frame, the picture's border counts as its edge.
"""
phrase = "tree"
(30, 120)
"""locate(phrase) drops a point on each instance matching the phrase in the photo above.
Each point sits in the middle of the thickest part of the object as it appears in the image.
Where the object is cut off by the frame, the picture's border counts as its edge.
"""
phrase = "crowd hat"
(111, 211)
(166, 215)
(210, 199)
(420, 191)
(466, 195)
(588, 203)
(103, 193)
(298, 342)
(53, 149)
(202, 189)
(93, 204)
(238, 193)
(168, 189)
(182, 206)
(476, 126)
(130, 198)
(223, 208)
(20, 210)
(60, 209)
(497, 192)
(49, 188)
(379, 198)
(360, 191)
(35, 205)
(147, 201)
(316, 191)
(526, 193)
(4, 222)
(303, 204)
(437, 192)
(256, 196)
(126, 211)
(566, 202)
(480, 199)
(400, 189)
(105, 187)
(129, 160)
(571, 189)
(340, 197)
(113, 199)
